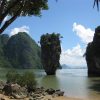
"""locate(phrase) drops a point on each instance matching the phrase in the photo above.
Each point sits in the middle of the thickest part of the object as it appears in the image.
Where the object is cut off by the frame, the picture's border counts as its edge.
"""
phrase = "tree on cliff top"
(17, 8)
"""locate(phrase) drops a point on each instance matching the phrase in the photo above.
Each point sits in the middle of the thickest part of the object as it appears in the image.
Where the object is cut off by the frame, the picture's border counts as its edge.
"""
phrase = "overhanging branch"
(7, 23)
(2, 16)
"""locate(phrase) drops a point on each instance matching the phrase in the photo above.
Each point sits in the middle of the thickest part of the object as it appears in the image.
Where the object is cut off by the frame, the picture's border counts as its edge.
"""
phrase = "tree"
(50, 52)
(17, 8)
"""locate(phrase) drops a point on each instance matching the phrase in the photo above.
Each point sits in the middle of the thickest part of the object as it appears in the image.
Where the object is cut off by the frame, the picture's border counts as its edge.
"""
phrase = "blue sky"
(75, 20)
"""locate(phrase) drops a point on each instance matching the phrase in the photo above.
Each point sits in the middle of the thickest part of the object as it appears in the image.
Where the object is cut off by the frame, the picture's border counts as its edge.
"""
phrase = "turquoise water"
(74, 82)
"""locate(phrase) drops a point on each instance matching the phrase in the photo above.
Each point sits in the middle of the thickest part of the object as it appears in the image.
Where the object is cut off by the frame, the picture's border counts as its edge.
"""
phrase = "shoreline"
(47, 97)
(63, 98)
(16, 92)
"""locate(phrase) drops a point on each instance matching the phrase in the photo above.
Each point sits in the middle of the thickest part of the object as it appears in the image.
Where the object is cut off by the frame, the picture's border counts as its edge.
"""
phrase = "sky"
(75, 20)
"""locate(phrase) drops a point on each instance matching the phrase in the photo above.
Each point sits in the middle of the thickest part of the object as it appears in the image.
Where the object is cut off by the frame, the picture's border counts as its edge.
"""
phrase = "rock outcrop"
(15, 91)
(50, 52)
(93, 54)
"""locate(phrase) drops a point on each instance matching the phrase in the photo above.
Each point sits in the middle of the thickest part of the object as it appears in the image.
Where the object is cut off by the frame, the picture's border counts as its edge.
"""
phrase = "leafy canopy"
(16, 8)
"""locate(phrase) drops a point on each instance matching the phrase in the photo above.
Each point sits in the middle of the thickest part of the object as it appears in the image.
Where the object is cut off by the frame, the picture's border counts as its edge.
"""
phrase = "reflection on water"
(96, 85)
(49, 82)
(74, 82)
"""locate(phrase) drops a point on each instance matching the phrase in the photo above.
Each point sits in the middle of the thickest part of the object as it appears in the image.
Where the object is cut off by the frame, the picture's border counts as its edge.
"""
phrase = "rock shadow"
(96, 85)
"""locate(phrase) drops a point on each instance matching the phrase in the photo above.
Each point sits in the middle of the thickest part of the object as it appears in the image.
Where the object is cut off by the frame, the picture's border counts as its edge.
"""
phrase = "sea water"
(74, 82)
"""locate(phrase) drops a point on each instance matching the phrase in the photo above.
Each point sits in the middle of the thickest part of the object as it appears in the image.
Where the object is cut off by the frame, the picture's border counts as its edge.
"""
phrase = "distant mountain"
(64, 66)
(21, 51)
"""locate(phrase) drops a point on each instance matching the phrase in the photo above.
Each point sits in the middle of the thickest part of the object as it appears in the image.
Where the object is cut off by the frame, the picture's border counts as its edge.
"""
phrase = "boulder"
(50, 91)
(60, 93)
(1, 85)
(18, 96)
(7, 89)
(14, 90)
(2, 99)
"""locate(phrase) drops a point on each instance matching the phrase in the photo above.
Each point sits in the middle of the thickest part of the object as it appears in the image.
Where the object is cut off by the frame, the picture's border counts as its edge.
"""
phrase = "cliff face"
(50, 52)
(21, 51)
(93, 55)
(3, 59)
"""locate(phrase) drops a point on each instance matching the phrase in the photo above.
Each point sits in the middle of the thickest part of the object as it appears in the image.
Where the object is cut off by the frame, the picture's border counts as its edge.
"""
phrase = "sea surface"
(74, 82)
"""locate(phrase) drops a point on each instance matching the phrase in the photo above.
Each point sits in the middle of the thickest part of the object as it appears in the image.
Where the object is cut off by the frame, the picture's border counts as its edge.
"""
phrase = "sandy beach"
(61, 98)
(73, 98)
(48, 97)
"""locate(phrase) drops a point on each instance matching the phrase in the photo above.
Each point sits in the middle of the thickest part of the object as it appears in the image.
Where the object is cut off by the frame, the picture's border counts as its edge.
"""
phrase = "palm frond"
(96, 2)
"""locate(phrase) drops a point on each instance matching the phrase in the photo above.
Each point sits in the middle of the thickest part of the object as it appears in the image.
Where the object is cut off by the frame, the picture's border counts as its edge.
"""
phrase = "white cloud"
(20, 29)
(73, 57)
(85, 34)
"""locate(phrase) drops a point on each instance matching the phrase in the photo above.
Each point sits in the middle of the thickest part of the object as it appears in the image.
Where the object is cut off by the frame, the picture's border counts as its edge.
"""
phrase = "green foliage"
(3, 59)
(29, 7)
(23, 52)
(25, 79)
(28, 79)
(17, 8)
(13, 76)
(19, 51)
(50, 52)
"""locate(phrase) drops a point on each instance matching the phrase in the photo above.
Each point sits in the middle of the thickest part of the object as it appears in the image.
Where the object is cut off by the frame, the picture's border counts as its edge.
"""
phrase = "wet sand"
(61, 98)
(49, 97)
(68, 98)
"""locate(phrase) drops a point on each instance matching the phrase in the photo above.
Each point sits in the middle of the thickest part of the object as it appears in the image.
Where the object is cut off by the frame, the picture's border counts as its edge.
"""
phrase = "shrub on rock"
(26, 79)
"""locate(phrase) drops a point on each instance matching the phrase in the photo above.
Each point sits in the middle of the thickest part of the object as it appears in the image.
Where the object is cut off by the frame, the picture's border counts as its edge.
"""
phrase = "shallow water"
(74, 82)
